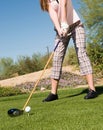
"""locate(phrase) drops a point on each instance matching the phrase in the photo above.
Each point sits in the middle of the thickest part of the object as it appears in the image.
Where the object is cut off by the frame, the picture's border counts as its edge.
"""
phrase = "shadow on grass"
(99, 90)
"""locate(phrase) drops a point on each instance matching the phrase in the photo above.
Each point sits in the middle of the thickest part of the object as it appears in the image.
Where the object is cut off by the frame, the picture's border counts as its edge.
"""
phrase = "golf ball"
(27, 109)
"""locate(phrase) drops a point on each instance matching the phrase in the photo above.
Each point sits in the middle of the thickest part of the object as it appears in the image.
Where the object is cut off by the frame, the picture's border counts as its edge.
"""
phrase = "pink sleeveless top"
(72, 15)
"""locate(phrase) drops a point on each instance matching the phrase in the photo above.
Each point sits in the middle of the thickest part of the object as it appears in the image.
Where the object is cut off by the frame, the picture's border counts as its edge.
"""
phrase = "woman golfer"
(62, 15)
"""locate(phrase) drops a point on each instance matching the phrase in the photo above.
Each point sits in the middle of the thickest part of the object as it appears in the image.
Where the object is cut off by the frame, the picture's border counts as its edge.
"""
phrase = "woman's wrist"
(64, 25)
(64, 28)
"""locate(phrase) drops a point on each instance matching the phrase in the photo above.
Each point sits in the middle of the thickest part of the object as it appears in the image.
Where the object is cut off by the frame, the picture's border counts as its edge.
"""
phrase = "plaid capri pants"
(79, 40)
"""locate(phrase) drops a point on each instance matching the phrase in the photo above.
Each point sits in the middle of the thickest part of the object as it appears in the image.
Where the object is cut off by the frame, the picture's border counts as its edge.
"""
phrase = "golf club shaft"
(40, 76)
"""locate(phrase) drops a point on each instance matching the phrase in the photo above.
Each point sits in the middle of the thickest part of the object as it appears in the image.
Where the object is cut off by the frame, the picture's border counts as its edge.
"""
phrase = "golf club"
(16, 112)
(13, 112)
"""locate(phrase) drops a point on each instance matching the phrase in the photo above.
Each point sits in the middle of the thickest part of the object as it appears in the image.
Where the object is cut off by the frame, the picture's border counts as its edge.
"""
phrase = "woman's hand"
(63, 30)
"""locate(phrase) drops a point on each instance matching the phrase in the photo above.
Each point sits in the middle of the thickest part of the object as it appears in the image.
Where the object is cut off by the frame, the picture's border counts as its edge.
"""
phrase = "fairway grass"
(70, 112)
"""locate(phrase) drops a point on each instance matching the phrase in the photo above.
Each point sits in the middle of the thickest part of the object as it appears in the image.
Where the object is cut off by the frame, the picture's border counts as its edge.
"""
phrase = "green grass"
(70, 112)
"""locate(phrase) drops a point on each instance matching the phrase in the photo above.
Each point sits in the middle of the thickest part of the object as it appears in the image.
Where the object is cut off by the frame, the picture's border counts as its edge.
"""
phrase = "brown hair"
(44, 5)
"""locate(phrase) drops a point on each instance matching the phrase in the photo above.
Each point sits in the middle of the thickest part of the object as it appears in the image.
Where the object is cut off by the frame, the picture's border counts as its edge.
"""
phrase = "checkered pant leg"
(58, 59)
(84, 62)
(80, 46)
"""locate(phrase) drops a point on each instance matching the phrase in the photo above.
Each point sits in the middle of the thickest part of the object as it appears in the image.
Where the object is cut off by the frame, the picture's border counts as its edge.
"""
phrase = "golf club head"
(15, 112)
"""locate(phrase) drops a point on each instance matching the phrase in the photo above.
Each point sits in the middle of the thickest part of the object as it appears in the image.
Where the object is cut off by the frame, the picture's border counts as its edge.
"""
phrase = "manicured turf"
(70, 112)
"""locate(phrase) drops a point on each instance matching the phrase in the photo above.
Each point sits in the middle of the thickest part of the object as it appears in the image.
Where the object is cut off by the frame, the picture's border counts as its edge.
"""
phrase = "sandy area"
(32, 77)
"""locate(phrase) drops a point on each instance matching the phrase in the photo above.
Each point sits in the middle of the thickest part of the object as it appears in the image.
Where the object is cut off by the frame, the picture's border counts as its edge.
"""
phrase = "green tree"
(23, 65)
(92, 14)
(28, 65)
(7, 68)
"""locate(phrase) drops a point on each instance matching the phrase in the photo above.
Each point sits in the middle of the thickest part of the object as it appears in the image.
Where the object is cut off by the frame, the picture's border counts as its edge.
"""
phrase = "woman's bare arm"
(63, 4)
(54, 17)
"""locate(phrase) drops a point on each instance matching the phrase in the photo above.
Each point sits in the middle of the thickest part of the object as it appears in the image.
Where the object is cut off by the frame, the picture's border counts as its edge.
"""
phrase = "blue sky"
(25, 29)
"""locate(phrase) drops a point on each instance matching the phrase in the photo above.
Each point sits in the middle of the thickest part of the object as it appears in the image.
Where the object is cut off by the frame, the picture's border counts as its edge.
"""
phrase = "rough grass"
(70, 112)
(9, 91)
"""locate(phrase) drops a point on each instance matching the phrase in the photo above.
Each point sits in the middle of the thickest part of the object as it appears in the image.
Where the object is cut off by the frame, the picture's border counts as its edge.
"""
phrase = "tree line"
(24, 65)
(91, 12)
